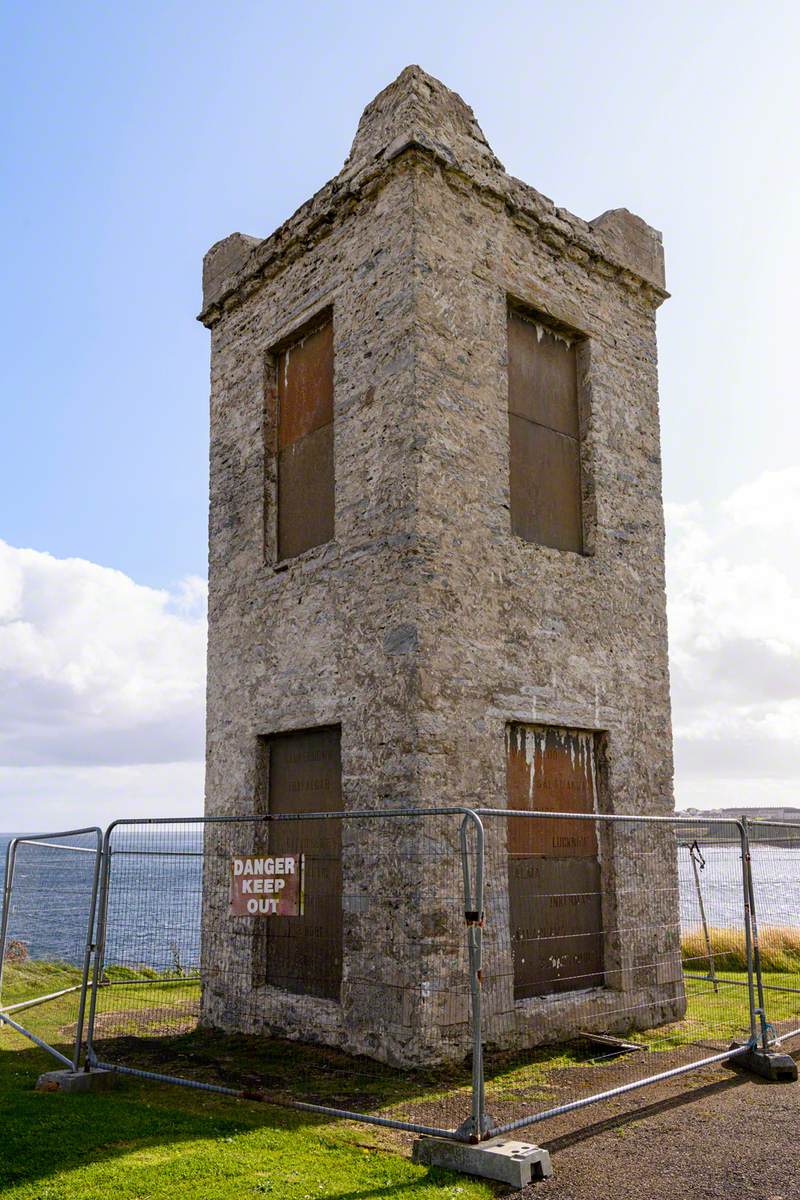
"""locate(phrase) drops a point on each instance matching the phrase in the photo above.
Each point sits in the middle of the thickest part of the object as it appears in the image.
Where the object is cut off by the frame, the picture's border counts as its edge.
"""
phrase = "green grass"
(151, 1142)
(24, 980)
(712, 1020)
(145, 1140)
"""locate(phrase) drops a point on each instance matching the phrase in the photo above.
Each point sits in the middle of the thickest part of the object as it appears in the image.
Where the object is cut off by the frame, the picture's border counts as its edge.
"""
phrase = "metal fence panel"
(607, 971)
(775, 865)
(46, 936)
(448, 971)
(197, 978)
(451, 1002)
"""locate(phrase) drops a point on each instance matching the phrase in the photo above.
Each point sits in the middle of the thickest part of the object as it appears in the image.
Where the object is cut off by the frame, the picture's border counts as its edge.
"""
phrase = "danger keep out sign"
(267, 887)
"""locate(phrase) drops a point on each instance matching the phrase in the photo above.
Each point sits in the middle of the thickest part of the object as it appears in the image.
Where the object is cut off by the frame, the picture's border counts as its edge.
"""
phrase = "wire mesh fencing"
(449, 971)
(602, 963)
(50, 886)
(775, 867)
(319, 961)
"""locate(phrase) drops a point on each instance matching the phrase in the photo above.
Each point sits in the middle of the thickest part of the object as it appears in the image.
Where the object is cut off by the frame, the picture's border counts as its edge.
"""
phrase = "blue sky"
(136, 135)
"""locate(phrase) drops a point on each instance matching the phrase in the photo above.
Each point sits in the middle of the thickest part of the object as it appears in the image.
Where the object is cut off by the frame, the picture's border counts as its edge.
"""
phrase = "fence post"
(100, 945)
(748, 933)
(8, 876)
(87, 957)
(755, 941)
(474, 914)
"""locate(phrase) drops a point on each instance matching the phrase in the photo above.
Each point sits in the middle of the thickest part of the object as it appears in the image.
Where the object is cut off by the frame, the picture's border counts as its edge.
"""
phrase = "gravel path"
(726, 1137)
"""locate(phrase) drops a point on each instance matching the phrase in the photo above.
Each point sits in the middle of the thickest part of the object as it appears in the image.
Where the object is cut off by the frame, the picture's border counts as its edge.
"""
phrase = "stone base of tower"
(363, 1029)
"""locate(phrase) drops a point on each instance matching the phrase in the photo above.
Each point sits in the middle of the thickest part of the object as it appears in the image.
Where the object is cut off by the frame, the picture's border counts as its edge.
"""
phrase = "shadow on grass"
(279, 1070)
(44, 1134)
(47, 1134)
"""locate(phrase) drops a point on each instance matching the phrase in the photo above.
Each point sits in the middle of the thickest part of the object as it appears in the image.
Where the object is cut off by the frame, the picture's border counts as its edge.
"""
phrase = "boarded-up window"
(544, 435)
(304, 954)
(555, 899)
(305, 442)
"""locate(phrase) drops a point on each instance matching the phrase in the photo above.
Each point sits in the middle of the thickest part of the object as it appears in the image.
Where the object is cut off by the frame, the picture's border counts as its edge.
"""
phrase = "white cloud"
(770, 502)
(95, 671)
(102, 679)
(35, 799)
(733, 586)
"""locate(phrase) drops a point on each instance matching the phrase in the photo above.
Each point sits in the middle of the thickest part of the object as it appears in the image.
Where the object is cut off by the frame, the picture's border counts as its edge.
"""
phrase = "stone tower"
(436, 553)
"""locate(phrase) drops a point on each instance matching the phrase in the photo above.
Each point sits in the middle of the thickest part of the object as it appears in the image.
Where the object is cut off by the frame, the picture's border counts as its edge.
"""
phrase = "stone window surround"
(330, 1012)
(533, 308)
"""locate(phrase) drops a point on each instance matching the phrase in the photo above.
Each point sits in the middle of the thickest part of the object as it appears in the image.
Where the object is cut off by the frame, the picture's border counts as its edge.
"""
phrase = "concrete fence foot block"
(773, 1065)
(75, 1081)
(500, 1158)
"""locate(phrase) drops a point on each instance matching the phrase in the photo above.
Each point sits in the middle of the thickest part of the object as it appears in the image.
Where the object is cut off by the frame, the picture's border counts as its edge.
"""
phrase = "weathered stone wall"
(511, 631)
(329, 639)
(424, 627)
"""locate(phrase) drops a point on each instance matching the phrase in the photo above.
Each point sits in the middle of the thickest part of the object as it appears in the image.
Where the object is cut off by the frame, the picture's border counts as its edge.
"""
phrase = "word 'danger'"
(267, 887)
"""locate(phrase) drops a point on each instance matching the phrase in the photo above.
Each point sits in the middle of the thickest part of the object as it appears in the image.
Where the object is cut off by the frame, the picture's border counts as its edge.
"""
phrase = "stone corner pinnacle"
(417, 108)
(223, 262)
(633, 243)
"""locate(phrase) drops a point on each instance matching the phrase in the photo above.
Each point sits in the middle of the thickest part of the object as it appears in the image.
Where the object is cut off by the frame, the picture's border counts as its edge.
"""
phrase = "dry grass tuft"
(780, 949)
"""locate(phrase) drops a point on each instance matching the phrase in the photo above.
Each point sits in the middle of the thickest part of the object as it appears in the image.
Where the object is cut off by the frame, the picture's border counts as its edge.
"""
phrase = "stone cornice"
(251, 263)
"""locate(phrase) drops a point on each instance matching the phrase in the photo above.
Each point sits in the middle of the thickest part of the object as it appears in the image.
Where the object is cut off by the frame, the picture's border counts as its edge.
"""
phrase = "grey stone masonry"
(424, 628)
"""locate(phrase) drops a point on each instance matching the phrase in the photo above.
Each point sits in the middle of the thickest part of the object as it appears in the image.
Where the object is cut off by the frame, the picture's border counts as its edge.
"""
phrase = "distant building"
(757, 813)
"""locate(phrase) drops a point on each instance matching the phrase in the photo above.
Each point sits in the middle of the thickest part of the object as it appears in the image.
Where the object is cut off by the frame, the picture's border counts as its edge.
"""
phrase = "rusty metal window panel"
(554, 874)
(305, 441)
(545, 485)
(544, 435)
(303, 954)
(305, 493)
